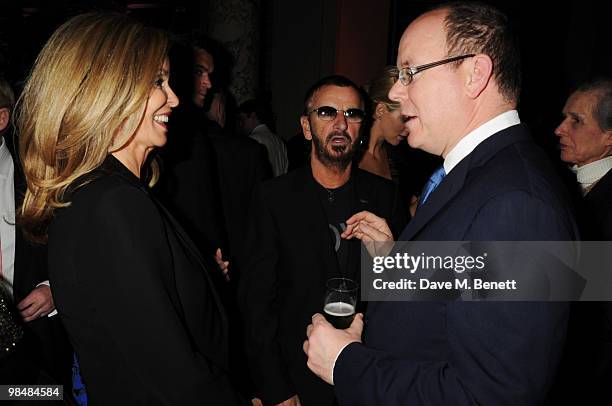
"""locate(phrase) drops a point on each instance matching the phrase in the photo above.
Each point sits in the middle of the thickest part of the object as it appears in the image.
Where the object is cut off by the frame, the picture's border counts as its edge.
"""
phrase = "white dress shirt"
(7, 214)
(468, 143)
(277, 151)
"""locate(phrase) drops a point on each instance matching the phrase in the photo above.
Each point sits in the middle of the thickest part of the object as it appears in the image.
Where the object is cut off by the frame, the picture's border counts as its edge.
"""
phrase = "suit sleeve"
(500, 353)
(125, 253)
(257, 299)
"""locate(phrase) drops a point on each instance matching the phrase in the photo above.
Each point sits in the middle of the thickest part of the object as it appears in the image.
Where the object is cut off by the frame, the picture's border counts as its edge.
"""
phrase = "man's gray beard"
(340, 162)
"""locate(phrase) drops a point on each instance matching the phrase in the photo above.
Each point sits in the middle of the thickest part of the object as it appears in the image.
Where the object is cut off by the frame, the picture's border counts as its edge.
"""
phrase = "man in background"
(23, 265)
(253, 115)
(585, 139)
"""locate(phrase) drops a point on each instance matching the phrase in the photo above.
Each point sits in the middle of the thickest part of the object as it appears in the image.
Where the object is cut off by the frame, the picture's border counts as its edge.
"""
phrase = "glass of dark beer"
(340, 302)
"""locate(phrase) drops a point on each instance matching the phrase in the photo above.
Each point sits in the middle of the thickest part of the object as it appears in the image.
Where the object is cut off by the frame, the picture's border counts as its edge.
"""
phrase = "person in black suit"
(294, 245)
(135, 295)
(188, 183)
(242, 163)
(585, 138)
(25, 264)
(458, 88)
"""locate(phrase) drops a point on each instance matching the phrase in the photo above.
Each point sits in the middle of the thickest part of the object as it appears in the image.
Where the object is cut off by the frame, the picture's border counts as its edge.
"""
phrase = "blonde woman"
(387, 125)
(387, 129)
(134, 294)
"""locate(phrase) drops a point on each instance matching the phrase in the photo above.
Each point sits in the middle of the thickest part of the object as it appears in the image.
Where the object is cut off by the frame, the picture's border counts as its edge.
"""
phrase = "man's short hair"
(602, 111)
(262, 108)
(333, 80)
(222, 57)
(7, 97)
(473, 28)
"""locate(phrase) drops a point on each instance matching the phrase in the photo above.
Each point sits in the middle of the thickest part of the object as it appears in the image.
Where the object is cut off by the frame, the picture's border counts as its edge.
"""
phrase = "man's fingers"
(27, 312)
(317, 319)
(305, 347)
(30, 311)
(355, 218)
(40, 313)
(309, 330)
(374, 233)
(349, 230)
(24, 304)
(356, 327)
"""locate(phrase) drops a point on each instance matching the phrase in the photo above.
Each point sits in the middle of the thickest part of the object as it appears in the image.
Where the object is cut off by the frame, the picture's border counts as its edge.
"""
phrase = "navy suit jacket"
(469, 353)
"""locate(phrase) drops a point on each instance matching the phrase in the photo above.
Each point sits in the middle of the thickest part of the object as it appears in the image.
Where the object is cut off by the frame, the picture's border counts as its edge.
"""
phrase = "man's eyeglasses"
(406, 75)
(328, 113)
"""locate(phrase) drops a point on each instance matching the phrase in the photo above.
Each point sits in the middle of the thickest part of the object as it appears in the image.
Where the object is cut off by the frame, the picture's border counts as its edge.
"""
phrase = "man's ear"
(608, 138)
(306, 127)
(5, 117)
(480, 70)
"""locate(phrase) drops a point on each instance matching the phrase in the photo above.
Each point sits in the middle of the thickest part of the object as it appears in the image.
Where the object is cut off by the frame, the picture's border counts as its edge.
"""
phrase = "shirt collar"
(468, 143)
(592, 172)
(259, 127)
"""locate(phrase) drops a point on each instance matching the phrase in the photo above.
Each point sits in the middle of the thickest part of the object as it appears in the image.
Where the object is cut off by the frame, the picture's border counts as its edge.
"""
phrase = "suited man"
(242, 163)
(294, 243)
(458, 88)
(189, 185)
(24, 265)
(585, 138)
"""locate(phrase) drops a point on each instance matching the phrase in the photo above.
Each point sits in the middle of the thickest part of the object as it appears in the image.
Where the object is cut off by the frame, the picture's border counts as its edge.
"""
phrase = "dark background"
(281, 46)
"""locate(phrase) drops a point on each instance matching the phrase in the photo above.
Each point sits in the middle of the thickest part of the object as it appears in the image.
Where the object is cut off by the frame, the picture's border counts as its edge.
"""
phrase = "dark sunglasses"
(328, 113)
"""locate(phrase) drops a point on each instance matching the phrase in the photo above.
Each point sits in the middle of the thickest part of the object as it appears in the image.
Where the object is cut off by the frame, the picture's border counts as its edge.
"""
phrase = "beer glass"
(340, 302)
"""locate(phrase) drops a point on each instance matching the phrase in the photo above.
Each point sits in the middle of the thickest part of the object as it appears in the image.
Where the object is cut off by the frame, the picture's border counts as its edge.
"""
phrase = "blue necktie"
(434, 180)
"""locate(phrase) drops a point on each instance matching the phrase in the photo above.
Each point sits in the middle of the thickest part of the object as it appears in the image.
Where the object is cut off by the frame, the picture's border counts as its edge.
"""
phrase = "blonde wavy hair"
(85, 97)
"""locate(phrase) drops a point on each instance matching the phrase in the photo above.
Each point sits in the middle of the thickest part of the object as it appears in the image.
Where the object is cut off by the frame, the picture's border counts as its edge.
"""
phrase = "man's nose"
(340, 121)
(395, 91)
(206, 81)
(560, 130)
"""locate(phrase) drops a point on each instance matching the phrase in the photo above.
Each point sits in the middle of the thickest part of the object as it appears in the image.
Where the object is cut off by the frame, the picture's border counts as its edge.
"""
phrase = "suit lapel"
(454, 181)
(445, 192)
(208, 326)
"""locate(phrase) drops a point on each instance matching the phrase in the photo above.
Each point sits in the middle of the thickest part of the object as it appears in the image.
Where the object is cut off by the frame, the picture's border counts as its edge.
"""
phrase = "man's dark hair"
(333, 80)
(602, 111)
(7, 97)
(262, 109)
(473, 28)
(222, 58)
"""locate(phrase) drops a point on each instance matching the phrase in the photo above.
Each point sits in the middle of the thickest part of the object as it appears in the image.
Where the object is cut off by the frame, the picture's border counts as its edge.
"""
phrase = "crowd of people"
(162, 248)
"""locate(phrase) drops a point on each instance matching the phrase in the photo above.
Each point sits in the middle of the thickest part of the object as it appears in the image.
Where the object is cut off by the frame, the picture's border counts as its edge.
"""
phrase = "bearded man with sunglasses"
(458, 89)
(294, 244)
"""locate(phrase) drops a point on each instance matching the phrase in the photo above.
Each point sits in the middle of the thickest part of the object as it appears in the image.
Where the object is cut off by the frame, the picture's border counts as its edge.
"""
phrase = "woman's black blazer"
(136, 297)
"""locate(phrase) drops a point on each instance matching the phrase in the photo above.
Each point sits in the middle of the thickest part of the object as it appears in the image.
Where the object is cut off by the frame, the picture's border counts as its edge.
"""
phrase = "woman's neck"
(376, 142)
(132, 157)
(375, 158)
